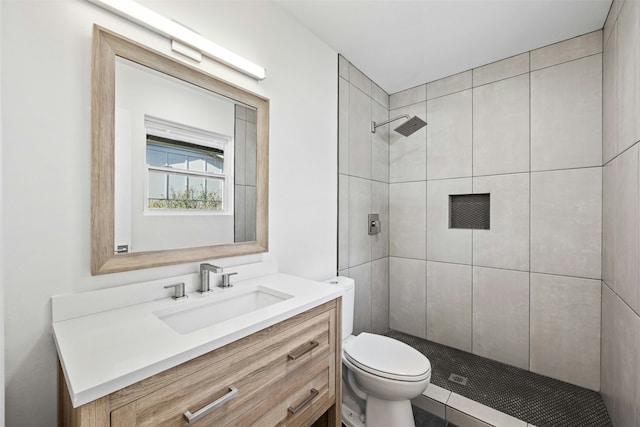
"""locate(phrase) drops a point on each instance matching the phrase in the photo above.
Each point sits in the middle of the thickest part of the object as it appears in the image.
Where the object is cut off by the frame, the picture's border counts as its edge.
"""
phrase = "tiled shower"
(552, 287)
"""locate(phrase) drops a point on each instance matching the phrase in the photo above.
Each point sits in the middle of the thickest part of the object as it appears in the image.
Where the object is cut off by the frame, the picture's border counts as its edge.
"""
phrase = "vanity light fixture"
(177, 32)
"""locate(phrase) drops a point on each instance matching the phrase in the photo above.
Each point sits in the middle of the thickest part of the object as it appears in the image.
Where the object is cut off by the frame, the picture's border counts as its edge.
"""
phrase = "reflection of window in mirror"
(186, 170)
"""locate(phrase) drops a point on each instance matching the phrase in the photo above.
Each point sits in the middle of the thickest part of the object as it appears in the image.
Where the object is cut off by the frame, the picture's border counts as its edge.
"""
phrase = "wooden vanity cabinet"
(286, 374)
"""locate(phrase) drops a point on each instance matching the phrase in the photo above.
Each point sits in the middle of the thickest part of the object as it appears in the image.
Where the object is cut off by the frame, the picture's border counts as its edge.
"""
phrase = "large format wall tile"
(359, 80)
(343, 126)
(627, 76)
(448, 85)
(407, 296)
(359, 209)
(359, 133)
(506, 243)
(380, 145)
(343, 67)
(380, 295)
(380, 96)
(612, 18)
(566, 227)
(449, 304)
(566, 115)
(607, 385)
(407, 219)
(501, 127)
(626, 227)
(406, 97)
(407, 155)
(499, 70)
(565, 329)
(568, 50)
(380, 205)
(609, 77)
(501, 325)
(362, 304)
(609, 222)
(625, 365)
(444, 243)
(449, 129)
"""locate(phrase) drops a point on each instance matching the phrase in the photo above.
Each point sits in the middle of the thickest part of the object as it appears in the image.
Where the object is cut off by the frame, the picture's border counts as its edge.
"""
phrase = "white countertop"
(103, 352)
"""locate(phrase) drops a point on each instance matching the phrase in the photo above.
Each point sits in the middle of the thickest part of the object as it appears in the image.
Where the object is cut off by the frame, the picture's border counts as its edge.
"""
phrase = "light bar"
(173, 30)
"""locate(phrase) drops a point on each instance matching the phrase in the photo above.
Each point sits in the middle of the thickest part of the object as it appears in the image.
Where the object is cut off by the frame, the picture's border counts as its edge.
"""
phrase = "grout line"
(530, 176)
(621, 298)
(620, 154)
(493, 81)
(472, 191)
(564, 62)
(499, 174)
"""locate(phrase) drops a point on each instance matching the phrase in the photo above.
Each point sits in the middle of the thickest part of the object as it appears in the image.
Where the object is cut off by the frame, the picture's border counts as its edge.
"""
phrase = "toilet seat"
(387, 358)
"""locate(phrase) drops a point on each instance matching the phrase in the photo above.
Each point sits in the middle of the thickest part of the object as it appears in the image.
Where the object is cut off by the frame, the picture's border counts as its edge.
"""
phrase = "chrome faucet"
(205, 270)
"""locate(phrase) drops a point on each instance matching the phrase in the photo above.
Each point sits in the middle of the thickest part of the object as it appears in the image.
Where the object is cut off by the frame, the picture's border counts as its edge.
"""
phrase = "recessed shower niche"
(470, 211)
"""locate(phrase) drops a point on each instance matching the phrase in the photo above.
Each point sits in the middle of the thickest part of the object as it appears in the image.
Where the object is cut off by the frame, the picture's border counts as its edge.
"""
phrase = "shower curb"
(461, 411)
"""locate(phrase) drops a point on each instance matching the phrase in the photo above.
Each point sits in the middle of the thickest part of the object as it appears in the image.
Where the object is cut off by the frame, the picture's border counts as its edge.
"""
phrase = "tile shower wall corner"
(363, 188)
(627, 76)
(380, 295)
(362, 303)
(620, 353)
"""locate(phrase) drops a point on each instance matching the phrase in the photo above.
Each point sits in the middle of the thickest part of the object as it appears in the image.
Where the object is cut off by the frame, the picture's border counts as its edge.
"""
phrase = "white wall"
(620, 353)
(46, 114)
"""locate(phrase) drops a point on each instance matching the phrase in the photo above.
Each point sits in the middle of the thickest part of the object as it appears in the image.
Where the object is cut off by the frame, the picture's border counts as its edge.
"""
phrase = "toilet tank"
(348, 300)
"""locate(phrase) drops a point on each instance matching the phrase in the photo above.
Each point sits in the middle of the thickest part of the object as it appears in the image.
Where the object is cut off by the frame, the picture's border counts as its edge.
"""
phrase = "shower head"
(412, 125)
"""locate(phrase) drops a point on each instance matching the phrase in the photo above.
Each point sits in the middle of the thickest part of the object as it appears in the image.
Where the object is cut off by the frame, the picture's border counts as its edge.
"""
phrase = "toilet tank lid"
(346, 283)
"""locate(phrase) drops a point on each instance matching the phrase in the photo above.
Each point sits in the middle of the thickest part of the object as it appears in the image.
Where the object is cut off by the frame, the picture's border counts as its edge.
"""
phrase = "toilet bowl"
(381, 375)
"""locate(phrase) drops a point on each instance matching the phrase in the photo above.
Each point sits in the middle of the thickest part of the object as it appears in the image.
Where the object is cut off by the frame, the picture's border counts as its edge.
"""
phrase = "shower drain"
(458, 379)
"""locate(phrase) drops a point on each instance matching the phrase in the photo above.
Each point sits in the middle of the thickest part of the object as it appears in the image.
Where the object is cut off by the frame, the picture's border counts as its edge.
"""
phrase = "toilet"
(380, 375)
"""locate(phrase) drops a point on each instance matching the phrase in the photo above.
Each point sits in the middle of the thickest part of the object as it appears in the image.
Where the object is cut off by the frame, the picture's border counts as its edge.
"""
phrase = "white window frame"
(180, 132)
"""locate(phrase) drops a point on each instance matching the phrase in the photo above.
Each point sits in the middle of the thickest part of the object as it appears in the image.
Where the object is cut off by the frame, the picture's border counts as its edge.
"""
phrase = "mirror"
(179, 161)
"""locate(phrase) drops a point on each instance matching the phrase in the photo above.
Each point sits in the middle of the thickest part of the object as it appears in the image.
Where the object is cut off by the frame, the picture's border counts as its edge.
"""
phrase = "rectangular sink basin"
(208, 311)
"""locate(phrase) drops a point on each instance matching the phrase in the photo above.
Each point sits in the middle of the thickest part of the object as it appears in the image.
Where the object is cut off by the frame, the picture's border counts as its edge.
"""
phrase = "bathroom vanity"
(278, 364)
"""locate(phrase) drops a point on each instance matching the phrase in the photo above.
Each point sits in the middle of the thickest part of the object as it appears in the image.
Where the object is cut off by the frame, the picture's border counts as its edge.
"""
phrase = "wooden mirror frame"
(106, 46)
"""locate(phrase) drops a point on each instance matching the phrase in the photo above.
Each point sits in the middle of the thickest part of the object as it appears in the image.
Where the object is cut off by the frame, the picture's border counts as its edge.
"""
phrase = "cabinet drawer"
(295, 398)
(252, 372)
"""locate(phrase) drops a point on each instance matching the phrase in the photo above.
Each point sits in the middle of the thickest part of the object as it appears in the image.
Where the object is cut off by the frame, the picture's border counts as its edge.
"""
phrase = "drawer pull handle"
(303, 349)
(298, 408)
(211, 406)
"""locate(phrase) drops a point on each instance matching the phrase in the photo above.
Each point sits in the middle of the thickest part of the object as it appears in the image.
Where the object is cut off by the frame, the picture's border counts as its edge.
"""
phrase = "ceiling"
(401, 44)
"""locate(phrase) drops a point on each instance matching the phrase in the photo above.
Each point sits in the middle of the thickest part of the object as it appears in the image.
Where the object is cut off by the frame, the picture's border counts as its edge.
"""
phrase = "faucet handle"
(178, 291)
(226, 280)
